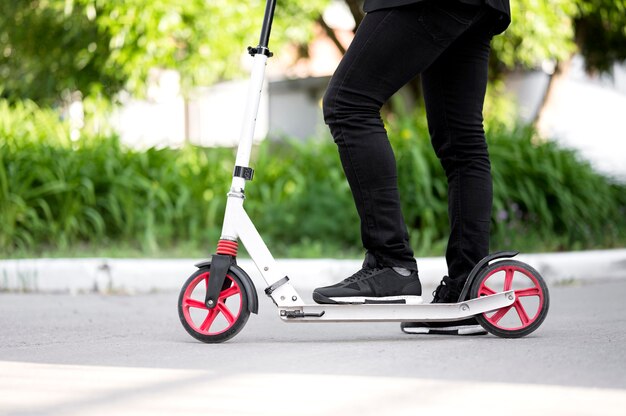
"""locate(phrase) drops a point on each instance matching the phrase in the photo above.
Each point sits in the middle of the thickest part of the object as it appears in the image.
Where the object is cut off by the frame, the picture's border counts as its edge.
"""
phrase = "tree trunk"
(356, 8)
(555, 83)
(331, 34)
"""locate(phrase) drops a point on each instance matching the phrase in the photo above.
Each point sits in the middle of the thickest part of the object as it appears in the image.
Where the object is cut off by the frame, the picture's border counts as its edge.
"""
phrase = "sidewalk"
(148, 275)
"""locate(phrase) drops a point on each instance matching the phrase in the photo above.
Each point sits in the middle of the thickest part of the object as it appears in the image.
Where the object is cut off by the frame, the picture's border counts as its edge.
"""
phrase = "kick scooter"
(508, 298)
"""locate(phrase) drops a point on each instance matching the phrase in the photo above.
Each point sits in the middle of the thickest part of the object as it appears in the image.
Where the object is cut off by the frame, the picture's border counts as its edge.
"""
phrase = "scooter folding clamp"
(270, 289)
(243, 172)
(260, 49)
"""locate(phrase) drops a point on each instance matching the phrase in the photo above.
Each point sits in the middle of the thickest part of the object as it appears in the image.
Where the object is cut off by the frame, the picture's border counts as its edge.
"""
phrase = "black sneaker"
(448, 291)
(373, 284)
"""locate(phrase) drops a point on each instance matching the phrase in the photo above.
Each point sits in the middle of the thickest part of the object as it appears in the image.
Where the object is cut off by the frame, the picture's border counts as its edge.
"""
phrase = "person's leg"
(390, 48)
(454, 91)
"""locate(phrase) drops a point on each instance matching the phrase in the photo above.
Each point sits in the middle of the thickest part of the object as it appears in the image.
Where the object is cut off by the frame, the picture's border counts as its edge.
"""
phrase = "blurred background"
(118, 122)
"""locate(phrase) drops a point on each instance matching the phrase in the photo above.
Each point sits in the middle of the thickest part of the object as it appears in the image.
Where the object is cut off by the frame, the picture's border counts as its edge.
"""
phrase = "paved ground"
(48, 342)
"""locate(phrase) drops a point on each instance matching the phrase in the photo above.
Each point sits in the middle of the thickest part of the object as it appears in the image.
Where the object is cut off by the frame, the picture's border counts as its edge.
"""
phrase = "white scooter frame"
(238, 226)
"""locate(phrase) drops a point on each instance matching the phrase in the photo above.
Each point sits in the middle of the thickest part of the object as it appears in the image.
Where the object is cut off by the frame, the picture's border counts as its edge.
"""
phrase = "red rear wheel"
(532, 299)
(223, 321)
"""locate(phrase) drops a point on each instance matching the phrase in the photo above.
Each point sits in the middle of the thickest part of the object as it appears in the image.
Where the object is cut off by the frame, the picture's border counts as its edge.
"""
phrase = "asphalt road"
(580, 350)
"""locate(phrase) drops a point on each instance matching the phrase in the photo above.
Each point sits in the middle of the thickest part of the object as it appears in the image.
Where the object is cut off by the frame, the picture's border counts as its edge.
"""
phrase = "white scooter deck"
(430, 312)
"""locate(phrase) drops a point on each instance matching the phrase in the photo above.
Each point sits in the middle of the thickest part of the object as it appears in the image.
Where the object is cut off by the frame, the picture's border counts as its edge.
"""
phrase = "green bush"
(55, 193)
(58, 196)
(545, 197)
(550, 196)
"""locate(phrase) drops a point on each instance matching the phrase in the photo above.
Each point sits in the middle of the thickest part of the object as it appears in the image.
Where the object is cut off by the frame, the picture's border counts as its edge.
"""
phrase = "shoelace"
(363, 273)
(443, 287)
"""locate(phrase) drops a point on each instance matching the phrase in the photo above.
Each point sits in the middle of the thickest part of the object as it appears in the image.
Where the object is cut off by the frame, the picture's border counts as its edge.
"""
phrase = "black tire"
(186, 301)
(489, 320)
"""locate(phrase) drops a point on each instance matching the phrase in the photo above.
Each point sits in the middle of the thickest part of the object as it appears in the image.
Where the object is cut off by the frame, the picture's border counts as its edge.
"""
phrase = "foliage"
(550, 195)
(57, 192)
(545, 197)
(552, 31)
(97, 46)
(62, 194)
(49, 49)
(601, 33)
(52, 47)
(540, 30)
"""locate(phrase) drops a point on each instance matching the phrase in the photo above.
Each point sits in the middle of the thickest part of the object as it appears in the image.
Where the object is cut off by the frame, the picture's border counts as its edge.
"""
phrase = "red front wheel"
(531, 304)
(217, 324)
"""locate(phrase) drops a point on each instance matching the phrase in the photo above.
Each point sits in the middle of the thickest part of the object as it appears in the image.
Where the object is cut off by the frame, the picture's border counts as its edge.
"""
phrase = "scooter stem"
(267, 23)
(261, 53)
(242, 171)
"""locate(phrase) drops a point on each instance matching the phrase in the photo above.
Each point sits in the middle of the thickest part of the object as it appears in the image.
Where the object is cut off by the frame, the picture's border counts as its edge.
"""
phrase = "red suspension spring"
(227, 247)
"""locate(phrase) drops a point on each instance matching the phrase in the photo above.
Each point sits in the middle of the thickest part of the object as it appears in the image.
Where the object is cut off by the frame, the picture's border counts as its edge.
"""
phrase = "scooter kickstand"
(300, 314)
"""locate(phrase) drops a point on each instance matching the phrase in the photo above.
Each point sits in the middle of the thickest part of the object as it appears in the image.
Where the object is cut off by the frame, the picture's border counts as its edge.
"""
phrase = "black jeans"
(448, 43)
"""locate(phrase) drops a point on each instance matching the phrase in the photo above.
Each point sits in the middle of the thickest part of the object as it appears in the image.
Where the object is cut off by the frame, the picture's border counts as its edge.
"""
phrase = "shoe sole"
(447, 330)
(365, 300)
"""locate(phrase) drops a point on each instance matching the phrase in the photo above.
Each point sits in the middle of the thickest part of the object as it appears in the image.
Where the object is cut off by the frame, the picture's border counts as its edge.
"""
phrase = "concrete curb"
(148, 275)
